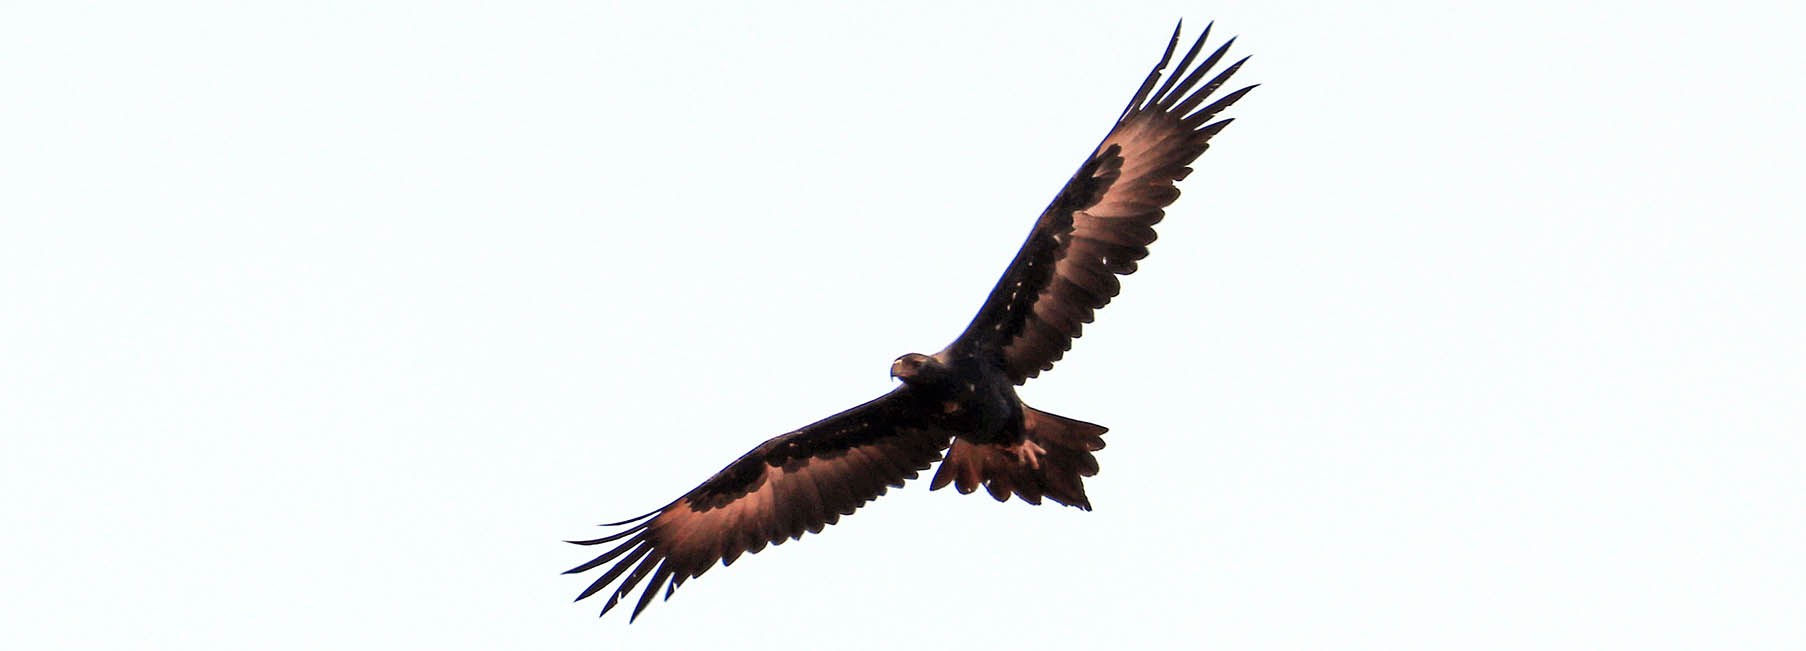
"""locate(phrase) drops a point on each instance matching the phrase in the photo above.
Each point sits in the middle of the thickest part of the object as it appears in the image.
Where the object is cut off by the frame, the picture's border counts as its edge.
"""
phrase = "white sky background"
(323, 326)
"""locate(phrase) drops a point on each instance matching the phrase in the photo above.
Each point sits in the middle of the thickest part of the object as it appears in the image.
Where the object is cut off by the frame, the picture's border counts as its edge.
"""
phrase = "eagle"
(958, 406)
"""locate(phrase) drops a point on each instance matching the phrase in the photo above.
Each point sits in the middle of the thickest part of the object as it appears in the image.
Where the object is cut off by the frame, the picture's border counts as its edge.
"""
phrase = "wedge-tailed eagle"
(964, 396)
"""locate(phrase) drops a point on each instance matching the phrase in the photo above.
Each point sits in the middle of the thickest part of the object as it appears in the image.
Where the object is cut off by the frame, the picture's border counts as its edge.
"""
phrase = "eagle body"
(978, 401)
(959, 406)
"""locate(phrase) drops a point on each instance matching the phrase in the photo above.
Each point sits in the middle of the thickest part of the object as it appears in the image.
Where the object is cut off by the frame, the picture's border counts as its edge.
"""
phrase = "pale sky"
(324, 325)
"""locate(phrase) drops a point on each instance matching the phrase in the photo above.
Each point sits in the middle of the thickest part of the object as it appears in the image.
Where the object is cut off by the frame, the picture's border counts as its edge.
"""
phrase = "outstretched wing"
(1103, 220)
(801, 481)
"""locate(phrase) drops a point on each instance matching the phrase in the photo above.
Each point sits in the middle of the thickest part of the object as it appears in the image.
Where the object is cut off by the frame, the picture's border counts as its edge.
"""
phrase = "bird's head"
(916, 368)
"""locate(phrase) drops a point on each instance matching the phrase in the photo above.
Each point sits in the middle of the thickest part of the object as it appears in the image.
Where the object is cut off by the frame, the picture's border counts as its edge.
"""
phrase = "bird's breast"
(981, 414)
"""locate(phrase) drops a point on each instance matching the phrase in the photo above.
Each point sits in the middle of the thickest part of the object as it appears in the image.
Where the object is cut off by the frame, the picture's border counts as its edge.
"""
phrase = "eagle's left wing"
(1103, 220)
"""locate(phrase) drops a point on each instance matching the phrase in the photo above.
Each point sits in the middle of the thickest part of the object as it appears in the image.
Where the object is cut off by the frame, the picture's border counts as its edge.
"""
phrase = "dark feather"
(1102, 222)
(796, 483)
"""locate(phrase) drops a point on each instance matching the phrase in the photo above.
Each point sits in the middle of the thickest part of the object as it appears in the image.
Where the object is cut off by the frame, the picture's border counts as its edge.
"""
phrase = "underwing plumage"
(959, 403)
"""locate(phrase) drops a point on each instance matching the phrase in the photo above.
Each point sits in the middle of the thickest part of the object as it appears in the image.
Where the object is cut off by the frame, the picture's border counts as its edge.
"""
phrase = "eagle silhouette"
(964, 396)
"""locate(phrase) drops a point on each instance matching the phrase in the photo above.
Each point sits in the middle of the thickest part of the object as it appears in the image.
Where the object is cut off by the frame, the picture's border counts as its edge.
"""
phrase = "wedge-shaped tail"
(1058, 474)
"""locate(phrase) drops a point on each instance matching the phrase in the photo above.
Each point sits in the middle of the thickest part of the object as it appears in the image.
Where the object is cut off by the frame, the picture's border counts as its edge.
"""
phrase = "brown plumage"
(1095, 229)
(1068, 445)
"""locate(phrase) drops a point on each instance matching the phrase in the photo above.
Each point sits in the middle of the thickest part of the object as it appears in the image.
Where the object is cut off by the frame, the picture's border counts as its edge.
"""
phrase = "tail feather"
(1067, 460)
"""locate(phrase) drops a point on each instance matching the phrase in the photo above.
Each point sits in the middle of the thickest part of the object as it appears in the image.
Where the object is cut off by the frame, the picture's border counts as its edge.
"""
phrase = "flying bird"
(961, 401)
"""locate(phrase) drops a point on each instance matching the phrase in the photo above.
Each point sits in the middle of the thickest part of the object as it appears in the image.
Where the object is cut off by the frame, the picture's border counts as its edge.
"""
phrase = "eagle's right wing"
(801, 481)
